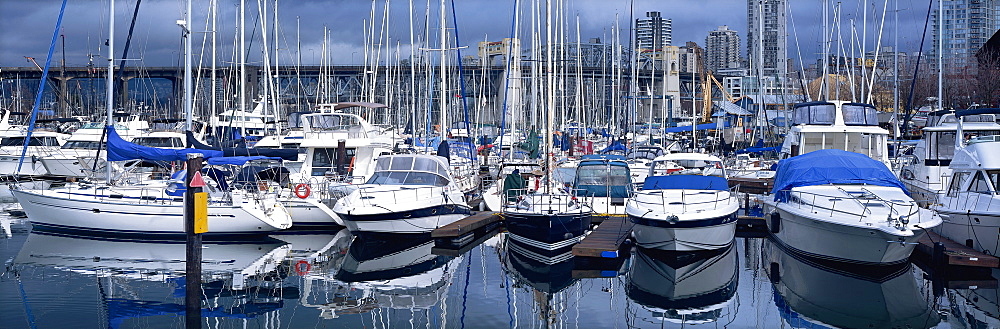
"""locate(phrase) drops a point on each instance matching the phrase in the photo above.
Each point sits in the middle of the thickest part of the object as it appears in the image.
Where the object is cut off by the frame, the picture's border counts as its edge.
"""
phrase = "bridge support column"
(63, 98)
(123, 91)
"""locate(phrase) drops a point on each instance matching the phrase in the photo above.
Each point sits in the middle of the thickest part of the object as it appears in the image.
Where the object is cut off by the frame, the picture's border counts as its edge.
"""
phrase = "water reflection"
(975, 307)
(683, 287)
(398, 273)
(139, 281)
(545, 277)
(810, 293)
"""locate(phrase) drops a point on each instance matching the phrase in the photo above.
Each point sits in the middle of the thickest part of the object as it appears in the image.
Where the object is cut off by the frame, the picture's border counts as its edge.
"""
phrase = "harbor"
(522, 164)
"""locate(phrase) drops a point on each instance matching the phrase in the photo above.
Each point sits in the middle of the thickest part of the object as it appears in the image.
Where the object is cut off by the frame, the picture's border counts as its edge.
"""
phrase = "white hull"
(867, 245)
(31, 166)
(981, 228)
(404, 225)
(307, 213)
(685, 239)
(98, 215)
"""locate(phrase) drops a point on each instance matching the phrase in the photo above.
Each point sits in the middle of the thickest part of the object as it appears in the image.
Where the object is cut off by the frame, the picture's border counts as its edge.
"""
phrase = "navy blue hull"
(547, 229)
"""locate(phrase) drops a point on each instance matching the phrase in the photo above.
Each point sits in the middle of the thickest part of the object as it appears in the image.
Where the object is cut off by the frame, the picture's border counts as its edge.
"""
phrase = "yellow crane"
(707, 97)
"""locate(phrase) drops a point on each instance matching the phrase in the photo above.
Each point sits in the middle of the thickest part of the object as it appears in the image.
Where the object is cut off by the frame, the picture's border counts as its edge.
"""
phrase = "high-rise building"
(967, 26)
(766, 37)
(692, 58)
(652, 32)
(722, 49)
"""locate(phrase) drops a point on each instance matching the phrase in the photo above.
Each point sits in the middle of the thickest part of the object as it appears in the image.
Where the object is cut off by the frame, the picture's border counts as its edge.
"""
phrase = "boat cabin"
(411, 169)
(841, 125)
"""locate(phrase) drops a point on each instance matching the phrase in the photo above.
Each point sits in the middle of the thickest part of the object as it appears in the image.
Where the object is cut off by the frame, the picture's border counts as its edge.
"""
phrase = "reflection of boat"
(547, 278)
(845, 206)
(137, 259)
(400, 273)
(138, 281)
(809, 293)
(684, 287)
(977, 307)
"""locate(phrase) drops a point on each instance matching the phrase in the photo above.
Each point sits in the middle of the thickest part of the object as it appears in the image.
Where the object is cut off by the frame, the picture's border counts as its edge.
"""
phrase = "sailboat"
(547, 221)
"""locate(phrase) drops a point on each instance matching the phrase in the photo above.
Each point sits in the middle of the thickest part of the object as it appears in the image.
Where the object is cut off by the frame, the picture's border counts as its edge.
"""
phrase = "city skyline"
(156, 41)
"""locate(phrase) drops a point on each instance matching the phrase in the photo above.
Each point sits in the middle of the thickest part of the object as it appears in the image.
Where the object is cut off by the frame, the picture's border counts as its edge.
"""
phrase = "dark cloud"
(26, 26)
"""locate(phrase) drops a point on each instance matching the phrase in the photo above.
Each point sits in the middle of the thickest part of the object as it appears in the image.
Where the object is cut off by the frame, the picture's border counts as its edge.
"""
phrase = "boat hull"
(91, 216)
(420, 220)
(980, 228)
(686, 235)
(549, 236)
(839, 242)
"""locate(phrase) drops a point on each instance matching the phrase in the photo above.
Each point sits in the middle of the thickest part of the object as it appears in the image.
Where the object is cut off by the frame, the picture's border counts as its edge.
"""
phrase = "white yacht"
(688, 209)
(339, 155)
(43, 143)
(926, 172)
(408, 193)
(967, 206)
(75, 157)
(839, 125)
(846, 207)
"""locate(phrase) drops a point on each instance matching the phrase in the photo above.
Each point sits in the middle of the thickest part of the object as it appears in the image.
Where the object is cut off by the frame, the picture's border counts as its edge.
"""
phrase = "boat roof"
(687, 156)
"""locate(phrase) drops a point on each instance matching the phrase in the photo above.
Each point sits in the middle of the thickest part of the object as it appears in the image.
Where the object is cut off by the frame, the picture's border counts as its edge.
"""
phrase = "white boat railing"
(404, 194)
(731, 196)
(564, 203)
(866, 201)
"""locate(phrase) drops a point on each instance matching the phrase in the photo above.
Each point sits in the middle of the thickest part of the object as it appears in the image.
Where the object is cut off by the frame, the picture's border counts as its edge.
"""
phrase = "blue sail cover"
(121, 150)
(830, 167)
(704, 126)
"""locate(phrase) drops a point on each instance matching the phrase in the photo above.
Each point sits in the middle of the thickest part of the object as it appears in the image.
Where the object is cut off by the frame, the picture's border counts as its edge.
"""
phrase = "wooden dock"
(466, 225)
(605, 241)
(752, 185)
(954, 253)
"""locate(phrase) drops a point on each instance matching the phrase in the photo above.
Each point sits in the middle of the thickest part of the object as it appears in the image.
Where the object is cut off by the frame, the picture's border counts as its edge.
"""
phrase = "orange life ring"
(299, 270)
(302, 190)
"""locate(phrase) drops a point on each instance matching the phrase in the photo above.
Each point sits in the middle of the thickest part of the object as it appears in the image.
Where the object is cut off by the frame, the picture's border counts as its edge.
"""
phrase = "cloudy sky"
(26, 26)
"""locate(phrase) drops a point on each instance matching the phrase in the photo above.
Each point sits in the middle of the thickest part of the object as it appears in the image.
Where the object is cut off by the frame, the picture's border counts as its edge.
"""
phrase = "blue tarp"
(704, 126)
(830, 167)
(121, 150)
(616, 146)
(609, 157)
(685, 182)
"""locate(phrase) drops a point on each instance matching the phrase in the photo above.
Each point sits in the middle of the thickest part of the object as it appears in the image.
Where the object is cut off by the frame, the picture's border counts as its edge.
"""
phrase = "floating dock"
(752, 185)
(953, 253)
(464, 230)
(606, 240)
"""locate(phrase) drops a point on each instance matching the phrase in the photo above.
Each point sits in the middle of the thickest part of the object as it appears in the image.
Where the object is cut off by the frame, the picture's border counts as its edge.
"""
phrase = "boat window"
(993, 176)
(324, 162)
(158, 141)
(980, 184)
(956, 183)
(820, 114)
(859, 115)
(82, 145)
(35, 141)
(407, 178)
(942, 146)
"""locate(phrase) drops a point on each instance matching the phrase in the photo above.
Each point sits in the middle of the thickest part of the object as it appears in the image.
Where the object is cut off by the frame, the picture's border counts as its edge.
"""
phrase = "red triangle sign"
(197, 181)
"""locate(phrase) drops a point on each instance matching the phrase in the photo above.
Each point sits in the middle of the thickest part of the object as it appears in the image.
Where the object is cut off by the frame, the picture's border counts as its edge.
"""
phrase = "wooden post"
(341, 156)
(192, 278)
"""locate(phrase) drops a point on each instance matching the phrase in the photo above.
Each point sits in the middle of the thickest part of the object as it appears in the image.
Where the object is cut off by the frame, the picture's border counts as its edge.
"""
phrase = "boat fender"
(775, 222)
(302, 267)
(302, 190)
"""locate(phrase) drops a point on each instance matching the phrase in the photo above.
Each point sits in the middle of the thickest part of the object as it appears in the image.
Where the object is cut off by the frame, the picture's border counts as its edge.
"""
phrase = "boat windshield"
(159, 141)
(603, 180)
(687, 167)
(35, 141)
(82, 145)
(407, 178)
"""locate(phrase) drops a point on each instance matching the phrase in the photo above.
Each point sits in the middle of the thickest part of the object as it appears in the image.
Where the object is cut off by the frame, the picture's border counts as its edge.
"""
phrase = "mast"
(550, 94)
(242, 57)
(187, 69)
(212, 104)
(444, 78)
(940, 101)
(111, 81)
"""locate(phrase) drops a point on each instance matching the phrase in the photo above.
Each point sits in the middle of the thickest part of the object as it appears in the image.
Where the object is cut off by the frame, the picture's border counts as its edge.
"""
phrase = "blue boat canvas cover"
(122, 150)
(830, 167)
